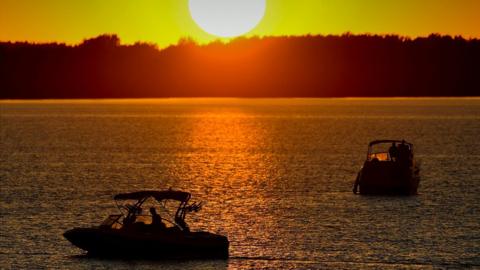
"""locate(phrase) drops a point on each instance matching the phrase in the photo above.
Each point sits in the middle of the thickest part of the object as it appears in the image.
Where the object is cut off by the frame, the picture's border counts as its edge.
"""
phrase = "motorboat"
(135, 234)
(390, 169)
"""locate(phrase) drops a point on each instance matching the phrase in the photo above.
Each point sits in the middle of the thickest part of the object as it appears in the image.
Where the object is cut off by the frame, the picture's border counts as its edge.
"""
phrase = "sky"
(164, 22)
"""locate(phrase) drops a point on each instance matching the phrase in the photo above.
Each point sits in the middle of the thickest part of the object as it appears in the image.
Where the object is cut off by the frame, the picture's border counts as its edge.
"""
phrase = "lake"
(275, 176)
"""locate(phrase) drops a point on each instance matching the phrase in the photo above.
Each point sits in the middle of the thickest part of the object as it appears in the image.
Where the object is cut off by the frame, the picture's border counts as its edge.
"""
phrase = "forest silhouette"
(306, 66)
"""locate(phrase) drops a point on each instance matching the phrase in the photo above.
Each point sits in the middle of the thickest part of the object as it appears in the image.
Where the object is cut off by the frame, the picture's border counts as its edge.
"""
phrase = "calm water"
(275, 175)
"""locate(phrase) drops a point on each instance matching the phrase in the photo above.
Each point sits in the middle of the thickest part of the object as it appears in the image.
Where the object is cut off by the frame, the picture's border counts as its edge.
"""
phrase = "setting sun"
(227, 18)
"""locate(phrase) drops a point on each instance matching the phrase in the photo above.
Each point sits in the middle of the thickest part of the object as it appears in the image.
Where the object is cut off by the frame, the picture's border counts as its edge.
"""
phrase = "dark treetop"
(308, 66)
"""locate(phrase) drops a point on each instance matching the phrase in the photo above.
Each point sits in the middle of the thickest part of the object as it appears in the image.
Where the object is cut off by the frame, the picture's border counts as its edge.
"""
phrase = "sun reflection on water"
(231, 163)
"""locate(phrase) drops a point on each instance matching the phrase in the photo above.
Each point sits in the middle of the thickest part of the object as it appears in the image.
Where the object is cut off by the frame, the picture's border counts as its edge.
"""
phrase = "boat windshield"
(112, 221)
(389, 150)
(379, 156)
(147, 220)
(379, 152)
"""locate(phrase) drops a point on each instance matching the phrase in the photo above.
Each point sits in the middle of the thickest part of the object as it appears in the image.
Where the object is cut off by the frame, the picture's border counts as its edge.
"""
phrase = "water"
(276, 177)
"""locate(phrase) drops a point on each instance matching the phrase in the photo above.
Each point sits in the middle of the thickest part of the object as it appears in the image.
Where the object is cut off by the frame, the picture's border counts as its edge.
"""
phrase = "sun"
(227, 18)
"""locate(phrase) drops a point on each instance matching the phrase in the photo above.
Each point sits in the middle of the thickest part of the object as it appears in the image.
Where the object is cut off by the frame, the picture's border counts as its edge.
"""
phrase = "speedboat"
(390, 169)
(133, 234)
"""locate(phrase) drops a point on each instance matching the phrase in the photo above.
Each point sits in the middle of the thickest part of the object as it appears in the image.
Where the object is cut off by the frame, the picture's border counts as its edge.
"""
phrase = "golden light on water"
(229, 138)
(234, 144)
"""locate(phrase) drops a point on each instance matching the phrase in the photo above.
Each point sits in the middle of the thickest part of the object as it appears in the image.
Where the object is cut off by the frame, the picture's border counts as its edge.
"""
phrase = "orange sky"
(166, 21)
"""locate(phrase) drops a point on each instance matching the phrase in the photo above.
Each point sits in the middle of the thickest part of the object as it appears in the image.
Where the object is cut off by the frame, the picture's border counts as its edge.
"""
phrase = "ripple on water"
(276, 177)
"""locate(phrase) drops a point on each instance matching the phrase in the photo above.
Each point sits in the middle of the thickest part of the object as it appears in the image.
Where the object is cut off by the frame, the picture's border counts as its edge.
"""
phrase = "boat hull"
(387, 178)
(155, 245)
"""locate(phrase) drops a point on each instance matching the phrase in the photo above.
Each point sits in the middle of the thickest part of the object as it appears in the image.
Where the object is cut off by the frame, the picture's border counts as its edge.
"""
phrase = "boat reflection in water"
(129, 235)
(388, 172)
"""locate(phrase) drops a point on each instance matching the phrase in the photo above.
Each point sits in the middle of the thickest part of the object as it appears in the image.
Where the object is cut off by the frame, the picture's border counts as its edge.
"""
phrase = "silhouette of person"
(156, 219)
(404, 153)
(393, 151)
(131, 216)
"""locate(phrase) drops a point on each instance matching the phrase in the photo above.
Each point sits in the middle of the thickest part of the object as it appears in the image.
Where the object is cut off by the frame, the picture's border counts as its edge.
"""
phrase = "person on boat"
(156, 219)
(131, 216)
(404, 153)
(393, 151)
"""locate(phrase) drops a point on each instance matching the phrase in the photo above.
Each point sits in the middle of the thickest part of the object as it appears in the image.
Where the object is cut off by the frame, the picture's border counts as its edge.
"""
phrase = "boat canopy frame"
(141, 196)
(180, 196)
(372, 143)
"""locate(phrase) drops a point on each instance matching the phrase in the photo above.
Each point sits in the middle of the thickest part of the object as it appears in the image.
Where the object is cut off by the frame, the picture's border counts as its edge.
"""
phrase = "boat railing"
(112, 221)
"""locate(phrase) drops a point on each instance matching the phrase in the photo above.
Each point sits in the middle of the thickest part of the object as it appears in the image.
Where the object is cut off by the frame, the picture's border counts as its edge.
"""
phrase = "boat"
(390, 169)
(134, 234)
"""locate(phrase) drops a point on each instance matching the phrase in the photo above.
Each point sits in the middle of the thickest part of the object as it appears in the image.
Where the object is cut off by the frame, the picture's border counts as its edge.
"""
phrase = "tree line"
(299, 66)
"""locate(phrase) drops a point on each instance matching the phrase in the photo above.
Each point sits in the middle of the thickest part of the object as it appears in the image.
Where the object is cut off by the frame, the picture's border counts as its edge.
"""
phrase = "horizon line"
(233, 39)
(123, 99)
